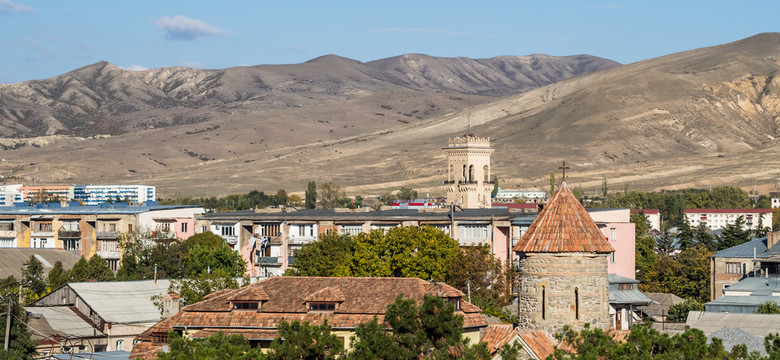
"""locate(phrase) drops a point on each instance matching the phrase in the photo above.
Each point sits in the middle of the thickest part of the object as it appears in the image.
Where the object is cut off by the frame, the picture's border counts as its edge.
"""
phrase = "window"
(544, 303)
(473, 231)
(305, 230)
(733, 268)
(165, 226)
(6, 242)
(577, 303)
(204, 229)
(119, 345)
(129, 227)
(43, 227)
(268, 229)
(322, 306)
(244, 305)
(159, 338)
(612, 232)
(109, 245)
(100, 348)
(70, 226)
(455, 302)
(71, 244)
(612, 257)
(6, 226)
(625, 286)
(184, 227)
(351, 229)
(228, 231)
(113, 264)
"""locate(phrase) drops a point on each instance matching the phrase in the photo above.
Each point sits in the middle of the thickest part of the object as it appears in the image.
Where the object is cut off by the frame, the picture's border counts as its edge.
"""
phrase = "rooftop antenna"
(468, 116)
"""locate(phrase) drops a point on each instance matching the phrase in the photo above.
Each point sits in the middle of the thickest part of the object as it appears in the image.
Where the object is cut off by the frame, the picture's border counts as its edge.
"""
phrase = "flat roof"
(86, 210)
(383, 215)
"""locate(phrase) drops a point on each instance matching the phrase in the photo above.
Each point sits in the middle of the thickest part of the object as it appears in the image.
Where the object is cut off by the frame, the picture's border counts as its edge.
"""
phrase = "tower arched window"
(486, 173)
(463, 177)
(544, 303)
(450, 174)
(576, 304)
(471, 173)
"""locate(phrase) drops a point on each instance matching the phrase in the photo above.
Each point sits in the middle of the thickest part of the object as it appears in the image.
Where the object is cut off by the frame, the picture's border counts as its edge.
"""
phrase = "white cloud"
(8, 8)
(181, 27)
(436, 31)
(135, 67)
(191, 64)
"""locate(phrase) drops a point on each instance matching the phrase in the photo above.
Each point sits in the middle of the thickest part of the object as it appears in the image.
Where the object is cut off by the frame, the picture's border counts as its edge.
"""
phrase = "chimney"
(772, 238)
(171, 303)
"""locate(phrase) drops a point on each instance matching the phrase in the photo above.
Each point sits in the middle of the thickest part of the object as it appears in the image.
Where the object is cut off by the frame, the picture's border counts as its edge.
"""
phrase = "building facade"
(95, 194)
(469, 182)
(715, 219)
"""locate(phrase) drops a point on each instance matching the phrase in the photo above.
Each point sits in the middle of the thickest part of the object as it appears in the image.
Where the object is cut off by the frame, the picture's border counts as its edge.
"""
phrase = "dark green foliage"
(331, 195)
(94, 269)
(685, 236)
(772, 346)
(642, 343)
(218, 347)
(326, 257)
(32, 277)
(207, 252)
(768, 307)
(679, 312)
(58, 276)
(491, 282)
(686, 275)
(233, 202)
(194, 289)
(432, 330)
(664, 242)
(407, 193)
(311, 195)
(21, 344)
(733, 234)
(299, 340)
(495, 186)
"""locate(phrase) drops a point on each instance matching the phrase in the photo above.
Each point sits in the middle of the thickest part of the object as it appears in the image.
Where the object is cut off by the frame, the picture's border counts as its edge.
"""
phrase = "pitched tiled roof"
(563, 226)
(249, 293)
(326, 294)
(249, 334)
(497, 335)
(537, 344)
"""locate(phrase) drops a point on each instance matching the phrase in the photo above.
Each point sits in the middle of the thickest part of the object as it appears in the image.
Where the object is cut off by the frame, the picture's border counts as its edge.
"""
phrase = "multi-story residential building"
(756, 258)
(268, 240)
(653, 217)
(45, 193)
(775, 202)
(89, 230)
(95, 194)
(716, 219)
(11, 194)
(528, 195)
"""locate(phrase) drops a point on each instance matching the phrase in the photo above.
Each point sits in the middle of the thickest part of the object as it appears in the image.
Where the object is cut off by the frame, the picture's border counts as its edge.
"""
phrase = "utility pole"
(7, 321)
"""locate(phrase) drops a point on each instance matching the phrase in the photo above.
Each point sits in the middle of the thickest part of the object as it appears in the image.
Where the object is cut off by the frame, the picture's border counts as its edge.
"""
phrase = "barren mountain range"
(702, 117)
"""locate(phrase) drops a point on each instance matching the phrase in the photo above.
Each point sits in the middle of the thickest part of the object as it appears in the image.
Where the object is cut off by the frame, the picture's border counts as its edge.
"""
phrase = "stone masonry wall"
(560, 274)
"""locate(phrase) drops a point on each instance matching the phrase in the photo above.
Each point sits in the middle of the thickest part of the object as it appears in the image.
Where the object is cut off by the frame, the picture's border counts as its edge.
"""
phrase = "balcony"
(7, 234)
(69, 234)
(232, 240)
(268, 260)
(107, 235)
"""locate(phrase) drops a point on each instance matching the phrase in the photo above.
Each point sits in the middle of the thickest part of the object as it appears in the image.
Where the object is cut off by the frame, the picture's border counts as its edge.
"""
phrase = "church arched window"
(544, 303)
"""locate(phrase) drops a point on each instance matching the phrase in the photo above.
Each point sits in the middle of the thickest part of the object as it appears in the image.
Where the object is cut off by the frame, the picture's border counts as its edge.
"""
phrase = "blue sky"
(41, 39)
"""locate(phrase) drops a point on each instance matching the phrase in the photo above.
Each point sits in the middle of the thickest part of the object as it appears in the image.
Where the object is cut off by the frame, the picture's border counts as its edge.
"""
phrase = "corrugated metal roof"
(732, 336)
(63, 321)
(122, 301)
(563, 226)
(744, 250)
(13, 259)
(756, 324)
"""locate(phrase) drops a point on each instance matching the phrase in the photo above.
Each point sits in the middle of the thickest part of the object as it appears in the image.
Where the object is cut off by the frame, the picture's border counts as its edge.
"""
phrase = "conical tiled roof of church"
(563, 226)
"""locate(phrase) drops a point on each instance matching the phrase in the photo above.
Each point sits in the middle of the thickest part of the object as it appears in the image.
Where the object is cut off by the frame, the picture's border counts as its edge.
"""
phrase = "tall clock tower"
(468, 181)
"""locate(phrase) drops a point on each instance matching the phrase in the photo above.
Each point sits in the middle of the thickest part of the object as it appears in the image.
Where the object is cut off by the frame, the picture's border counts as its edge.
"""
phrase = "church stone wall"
(560, 274)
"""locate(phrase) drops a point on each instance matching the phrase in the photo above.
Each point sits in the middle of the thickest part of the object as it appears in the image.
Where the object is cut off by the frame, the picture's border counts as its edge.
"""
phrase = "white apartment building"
(716, 219)
(510, 195)
(95, 194)
(11, 194)
(775, 202)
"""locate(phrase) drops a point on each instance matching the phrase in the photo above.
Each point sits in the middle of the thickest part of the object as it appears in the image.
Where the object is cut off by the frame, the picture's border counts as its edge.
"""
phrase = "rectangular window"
(473, 232)
(733, 268)
(625, 286)
(109, 245)
(228, 231)
(129, 227)
(113, 264)
(43, 227)
(353, 230)
(112, 227)
(71, 244)
(322, 306)
(612, 233)
(612, 257)
(269, 229)
(70, 225)
(204, 229)
(166, 226)
(184, 227)
(6, 226)
(244, 305)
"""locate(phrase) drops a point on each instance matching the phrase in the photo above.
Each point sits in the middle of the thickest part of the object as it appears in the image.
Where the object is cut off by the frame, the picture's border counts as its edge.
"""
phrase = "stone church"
(563, 268)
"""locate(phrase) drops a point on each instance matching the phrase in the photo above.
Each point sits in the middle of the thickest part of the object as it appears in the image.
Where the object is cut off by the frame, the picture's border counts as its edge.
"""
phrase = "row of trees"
(424, 252)
(430, 330)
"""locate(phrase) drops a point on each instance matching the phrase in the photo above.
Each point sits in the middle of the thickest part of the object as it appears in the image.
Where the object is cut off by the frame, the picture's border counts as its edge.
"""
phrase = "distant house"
(624, 298)
(758, 257)
(115, 312)
(775, 202)
(527, 195)
(653, 216)
(254, 311)
(745, 296)
(658, 309)
(715, 219)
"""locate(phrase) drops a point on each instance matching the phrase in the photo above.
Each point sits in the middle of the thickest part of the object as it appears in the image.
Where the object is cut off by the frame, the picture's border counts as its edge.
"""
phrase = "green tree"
(495, 186)
(208, 253)
(477, 272)
(686, 275)
(686, 236)
(733, 234)
(32, 277)
(423, 252)
(94, 269)
(300, 340)
(679, 312)
(195, 289)
(604, 188)
(763, 202)
(58, 276)
(327, 257)
(430, 331)
(665, 242)
(143, 252)
(407, 193)
(311, 195)
(217, 347)
(704, 238)
(330, 194)
(761, 229)
(21, 345)
(768, 307)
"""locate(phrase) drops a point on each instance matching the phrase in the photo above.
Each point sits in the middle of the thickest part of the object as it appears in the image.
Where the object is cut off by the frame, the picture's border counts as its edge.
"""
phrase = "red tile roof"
(497, 335)
(727, 211)
(535, 342)
(249, 293)
(539, 343)
(563, 226)
(646, 211)
(249, 334)
(329, 294)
